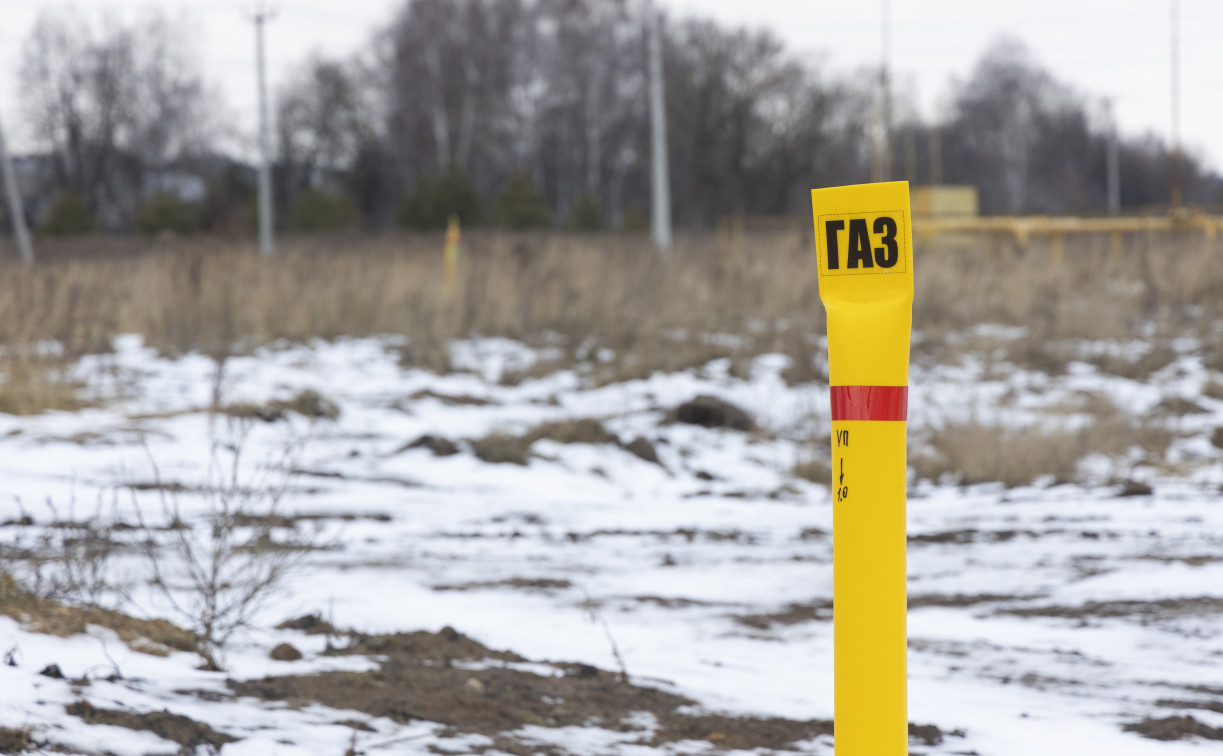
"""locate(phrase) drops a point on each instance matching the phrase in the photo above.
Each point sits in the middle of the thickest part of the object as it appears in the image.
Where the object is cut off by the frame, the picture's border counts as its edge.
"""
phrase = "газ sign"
(864, 243)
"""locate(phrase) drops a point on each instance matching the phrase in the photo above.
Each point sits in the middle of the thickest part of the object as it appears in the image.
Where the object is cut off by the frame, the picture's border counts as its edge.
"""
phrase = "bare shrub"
(65, 559)
(217, 572)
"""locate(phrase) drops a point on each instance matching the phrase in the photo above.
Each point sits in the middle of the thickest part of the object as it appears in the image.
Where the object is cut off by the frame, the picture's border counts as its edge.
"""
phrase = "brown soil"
(523, 584)
(814, 471)
(818, 610)
(285, 652)
(1135, 488)
(1144, 611)
(14, 741)
(418, 679)
(182, 730)
(585, 430)
(642, 448)
(689, 535)
(502, 448)
(960, 600)
(308, 403)
(1178, 406)
(465, 400)
(439, 445)
(39, 615)
(972, 535)
(711, 412)
(667, 602)
(1216, 706)
(1174, 728)
(310, 624)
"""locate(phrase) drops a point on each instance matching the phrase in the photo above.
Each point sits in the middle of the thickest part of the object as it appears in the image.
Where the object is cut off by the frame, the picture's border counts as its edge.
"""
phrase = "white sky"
(1114, 48)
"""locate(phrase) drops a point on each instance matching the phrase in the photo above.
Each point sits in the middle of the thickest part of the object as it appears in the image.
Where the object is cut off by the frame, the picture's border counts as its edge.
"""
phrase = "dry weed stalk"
(65, 560)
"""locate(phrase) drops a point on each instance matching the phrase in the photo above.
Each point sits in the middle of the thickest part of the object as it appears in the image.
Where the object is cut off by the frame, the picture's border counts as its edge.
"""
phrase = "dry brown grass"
(973, 451)
(580, 291)
(44, 615)
(612, 306)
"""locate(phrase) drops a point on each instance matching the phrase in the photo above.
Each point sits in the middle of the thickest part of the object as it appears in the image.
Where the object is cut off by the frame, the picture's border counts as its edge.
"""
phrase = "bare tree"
(112, 101)
(326, 120)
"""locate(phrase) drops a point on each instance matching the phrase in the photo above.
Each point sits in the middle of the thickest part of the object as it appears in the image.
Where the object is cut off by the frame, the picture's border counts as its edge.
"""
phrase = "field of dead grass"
(612, 305)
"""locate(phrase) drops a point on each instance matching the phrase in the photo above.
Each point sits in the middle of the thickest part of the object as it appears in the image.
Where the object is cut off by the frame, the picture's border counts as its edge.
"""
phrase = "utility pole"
(1114, 162)
(1177, 198)
(15, 211)
(660, 214)
(260, 14)
(885, 153)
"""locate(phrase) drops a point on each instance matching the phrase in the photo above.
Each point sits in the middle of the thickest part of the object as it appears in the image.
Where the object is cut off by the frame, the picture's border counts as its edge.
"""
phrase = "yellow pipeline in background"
(864, 246)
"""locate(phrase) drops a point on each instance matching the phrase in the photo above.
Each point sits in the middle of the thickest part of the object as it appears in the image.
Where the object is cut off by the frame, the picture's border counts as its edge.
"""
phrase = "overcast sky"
(1104, 48)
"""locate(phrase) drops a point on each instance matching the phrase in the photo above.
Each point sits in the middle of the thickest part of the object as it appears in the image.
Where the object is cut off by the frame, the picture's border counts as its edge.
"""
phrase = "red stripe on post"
(870, 402)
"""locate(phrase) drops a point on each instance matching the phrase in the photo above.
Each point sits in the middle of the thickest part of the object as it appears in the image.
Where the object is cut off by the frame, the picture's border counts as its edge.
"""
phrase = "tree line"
(534, 114)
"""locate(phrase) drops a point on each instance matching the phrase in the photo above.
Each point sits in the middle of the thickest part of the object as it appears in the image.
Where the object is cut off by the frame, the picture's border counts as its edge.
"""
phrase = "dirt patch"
(585, 430)
(14, 741)
(1215, 706)
(545, 585)
(1178, 406)
(461, 400)
(40, 615)
(449, 678)
(741, 733)
(308, 403)
(310, 624)
(502, 448)
(814, 471)
(642, 448)
(669, 602)
(1139, 369)
(285, 652)
(1134, 488)
(688, 535)
(931, 735)
(1143, 611)
(1174, 728)
(972, 535)
(1191, 560)
(439, 445)
(182, 730)
(711, 412)
(960, 600)
(291, 521)
(818, 610)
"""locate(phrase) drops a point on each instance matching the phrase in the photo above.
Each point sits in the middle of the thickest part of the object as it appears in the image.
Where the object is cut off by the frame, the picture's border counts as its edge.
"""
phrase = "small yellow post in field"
(450, 256)
(864, 250)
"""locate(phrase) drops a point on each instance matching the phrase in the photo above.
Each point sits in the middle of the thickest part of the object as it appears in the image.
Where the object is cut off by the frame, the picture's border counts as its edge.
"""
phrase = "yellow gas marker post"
(864, 245)
(450, 257)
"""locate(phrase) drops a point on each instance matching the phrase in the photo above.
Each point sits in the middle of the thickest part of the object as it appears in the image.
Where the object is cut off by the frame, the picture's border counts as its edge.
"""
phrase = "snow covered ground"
(1043, 618)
